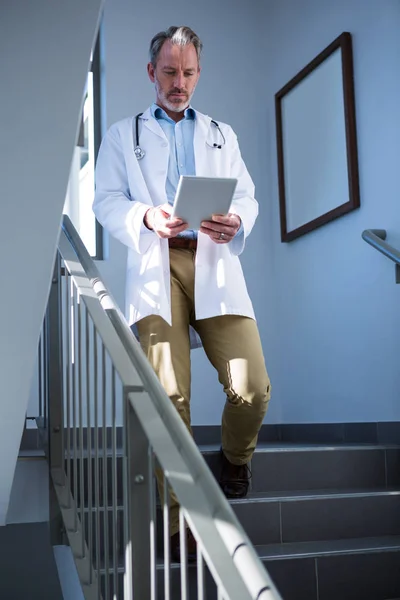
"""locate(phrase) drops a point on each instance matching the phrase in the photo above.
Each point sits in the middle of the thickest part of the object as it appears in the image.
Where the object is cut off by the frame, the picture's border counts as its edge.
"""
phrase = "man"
(180, 280)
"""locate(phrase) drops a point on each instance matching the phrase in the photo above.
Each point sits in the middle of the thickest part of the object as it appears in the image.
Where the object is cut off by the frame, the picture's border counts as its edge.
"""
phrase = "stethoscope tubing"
(139, 153)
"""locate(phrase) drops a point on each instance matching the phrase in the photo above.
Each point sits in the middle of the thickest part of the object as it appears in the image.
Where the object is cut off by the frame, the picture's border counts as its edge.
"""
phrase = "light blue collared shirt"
(181, 155)
(180, 137)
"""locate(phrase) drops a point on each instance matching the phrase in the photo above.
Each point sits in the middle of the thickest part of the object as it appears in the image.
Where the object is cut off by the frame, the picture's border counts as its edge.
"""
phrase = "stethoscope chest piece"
(139, 153)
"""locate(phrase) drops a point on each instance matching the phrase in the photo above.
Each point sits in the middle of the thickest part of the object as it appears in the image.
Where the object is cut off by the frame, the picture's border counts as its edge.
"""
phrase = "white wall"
(45, 49)
(337, 311)
(228, 91)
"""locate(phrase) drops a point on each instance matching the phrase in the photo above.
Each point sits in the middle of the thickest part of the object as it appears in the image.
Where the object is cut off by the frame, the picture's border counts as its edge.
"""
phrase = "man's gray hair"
(182, 36)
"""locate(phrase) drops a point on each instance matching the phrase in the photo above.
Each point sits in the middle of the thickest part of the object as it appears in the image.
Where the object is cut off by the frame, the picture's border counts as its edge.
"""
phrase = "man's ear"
(150, 71)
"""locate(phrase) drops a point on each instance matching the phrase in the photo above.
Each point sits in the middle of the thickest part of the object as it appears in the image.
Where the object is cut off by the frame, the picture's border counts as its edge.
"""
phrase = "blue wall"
(229, 90)
(334, 312)
(327, 305)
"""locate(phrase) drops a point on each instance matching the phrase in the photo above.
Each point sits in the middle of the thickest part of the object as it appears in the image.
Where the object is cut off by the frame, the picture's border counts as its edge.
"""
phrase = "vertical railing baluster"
(55, 389)
(127, 500)
(43, 373)
(96, 455)
(81, 441)
(63, 359)
(43, 384)
(200, 575)
(40, 376)
(138, 506)
(114, 480)
(167, 542)
(184, 556)
(74, 411)
(45, 370)
(105, 474)
(67, 307)
(89, 443)
(153, 525)
(43, 359)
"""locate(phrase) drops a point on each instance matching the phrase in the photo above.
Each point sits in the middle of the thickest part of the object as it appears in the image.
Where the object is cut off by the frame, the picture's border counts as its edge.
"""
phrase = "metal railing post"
(55, 395)
(137, 532)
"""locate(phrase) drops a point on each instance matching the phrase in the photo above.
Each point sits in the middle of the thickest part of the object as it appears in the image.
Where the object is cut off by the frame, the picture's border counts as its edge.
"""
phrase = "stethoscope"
(140, 153)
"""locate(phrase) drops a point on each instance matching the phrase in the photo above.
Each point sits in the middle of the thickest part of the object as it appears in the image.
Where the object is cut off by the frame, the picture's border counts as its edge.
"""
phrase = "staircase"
(323, 512)
(325, 519)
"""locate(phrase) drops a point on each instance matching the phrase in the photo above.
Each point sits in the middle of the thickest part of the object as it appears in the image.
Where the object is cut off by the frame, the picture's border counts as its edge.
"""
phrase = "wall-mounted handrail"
(376, 238)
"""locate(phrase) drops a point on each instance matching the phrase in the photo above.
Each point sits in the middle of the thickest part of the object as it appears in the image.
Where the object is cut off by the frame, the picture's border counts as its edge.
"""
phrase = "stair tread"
(263, 447)
(33, 453)
(298, 495)
(302, 550)
(291, 496)
(329, 548)
(288, 496)
(304, 447)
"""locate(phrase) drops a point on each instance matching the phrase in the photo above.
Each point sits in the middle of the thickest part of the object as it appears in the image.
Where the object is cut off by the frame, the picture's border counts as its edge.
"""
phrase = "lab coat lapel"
(154, 165)
(152, 124)
(201, 133)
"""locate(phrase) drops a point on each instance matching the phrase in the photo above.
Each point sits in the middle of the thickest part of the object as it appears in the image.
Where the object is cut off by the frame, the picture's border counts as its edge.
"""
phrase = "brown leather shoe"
(191, 546)
(234, 479)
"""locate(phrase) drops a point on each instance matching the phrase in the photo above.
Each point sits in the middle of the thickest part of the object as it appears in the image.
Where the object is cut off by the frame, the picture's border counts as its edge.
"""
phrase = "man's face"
(175, 76)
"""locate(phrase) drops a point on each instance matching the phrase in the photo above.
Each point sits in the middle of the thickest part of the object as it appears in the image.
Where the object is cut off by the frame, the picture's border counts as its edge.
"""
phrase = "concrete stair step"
(270, 552)
(318, 517)
(356, 569)
(280, 468)
(289, 467)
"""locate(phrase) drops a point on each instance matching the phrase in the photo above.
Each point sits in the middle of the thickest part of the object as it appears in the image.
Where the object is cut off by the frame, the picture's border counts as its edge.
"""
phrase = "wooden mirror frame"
(344, 43)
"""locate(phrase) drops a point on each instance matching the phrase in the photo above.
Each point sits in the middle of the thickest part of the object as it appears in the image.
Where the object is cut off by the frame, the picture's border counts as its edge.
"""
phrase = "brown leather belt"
(181, 242)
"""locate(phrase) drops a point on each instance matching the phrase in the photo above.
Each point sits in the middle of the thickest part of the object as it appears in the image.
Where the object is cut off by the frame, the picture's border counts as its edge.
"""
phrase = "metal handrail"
(375, 238)
(178, 455)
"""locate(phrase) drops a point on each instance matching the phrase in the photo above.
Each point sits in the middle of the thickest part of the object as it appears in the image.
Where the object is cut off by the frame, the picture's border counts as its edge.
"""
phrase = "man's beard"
(173, 106)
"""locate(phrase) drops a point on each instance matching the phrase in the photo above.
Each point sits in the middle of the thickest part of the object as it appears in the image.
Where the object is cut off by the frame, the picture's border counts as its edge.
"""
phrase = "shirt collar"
(158, 113)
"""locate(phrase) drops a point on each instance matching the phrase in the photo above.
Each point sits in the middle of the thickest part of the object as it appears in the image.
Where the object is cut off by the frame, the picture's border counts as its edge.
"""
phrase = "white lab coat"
(127, 187)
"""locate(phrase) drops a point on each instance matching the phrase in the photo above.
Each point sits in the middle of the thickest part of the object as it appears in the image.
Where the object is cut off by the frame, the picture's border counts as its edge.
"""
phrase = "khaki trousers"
(232, 344)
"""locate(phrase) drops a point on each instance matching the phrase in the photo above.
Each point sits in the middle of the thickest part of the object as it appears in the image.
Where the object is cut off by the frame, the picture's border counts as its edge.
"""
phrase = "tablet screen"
(197, 198)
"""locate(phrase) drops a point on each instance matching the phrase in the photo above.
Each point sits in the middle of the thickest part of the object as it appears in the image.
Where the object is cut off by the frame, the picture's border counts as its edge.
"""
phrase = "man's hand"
(222, 229)
(158, 220)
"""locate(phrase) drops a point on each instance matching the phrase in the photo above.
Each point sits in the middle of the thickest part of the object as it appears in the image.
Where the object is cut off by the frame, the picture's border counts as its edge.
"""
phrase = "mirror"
(316, 142)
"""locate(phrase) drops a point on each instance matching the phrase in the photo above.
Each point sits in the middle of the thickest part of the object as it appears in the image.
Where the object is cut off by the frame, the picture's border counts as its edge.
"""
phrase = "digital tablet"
(197, 198)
